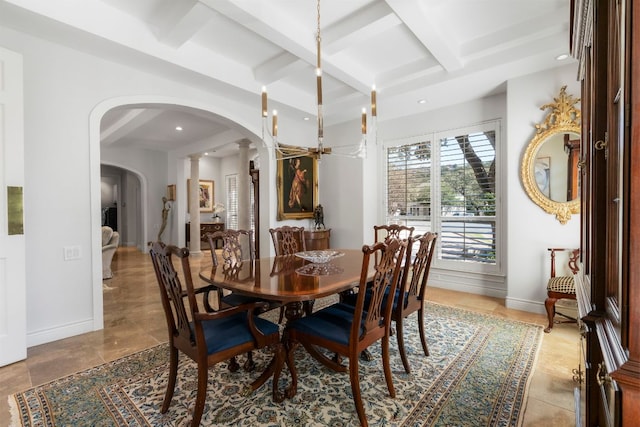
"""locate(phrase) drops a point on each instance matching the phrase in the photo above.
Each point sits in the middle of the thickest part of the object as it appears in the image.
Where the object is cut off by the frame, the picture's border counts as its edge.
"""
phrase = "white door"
(13, 312)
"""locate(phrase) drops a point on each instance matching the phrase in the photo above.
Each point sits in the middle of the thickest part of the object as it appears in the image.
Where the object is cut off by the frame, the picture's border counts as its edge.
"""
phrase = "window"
(449, 187)
(232, 201)
(231, 182)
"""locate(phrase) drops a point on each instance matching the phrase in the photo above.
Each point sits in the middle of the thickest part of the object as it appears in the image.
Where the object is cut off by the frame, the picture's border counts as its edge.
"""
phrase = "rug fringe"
(14, 419)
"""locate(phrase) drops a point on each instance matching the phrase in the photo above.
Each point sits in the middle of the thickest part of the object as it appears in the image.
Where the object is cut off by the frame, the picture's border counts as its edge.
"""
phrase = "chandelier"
(283, 151)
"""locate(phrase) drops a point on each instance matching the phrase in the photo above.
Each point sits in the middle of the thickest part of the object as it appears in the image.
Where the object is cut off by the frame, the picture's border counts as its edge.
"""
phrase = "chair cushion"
(351, 299)
(221, 334)
(332, 323)
(235, 299)
(562, 284)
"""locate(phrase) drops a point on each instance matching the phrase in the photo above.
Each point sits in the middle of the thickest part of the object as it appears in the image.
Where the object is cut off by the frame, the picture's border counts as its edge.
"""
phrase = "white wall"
(530, 230)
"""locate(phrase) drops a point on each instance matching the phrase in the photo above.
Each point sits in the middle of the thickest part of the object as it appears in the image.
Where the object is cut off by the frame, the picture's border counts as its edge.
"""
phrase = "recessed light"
(422, 101)
(306, 119)
(206, 153)
(178, 128)
(562, 57)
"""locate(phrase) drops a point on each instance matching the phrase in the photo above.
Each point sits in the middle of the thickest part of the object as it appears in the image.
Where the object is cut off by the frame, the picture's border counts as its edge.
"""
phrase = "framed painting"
(205, 195)
(297, 185)
(171, 192)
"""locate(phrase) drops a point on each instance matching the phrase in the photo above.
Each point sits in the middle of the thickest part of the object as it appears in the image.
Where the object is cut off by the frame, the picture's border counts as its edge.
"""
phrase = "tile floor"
(133, 320)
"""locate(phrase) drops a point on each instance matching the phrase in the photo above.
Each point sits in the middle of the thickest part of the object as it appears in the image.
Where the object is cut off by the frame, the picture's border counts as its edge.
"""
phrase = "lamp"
(358, 150)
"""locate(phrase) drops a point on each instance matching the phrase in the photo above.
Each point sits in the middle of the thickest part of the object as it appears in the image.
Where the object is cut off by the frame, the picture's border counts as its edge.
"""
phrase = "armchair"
(110, 241)
(208, 337)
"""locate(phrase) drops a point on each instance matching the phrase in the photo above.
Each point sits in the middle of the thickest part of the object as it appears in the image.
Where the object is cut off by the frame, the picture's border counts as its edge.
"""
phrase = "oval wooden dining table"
(288, 279)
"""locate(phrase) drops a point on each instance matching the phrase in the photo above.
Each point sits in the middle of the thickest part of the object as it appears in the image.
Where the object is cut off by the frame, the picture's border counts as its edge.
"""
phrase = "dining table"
(290, 280)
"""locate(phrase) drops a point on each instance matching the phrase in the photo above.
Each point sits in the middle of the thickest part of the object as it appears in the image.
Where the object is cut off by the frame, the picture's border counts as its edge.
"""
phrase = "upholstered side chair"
(110, 242)
(561, 286)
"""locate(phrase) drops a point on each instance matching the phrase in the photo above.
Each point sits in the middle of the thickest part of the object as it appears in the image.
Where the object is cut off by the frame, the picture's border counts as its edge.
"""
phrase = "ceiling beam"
(132, 120)
(267, 21)
(431, 33)
(179, 20)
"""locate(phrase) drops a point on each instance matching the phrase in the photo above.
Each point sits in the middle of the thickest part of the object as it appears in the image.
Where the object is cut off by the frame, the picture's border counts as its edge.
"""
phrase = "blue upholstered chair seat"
(235, 299)
(332, 323)
(350, 299)
(228, 332)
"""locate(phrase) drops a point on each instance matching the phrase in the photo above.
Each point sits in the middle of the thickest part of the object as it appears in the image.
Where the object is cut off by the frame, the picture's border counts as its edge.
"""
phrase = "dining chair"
(209, 338)
(410, 294)
(386, 231)
(288, 240)
(381, 233)
(233, 255)
(347, 330)
(561, 286)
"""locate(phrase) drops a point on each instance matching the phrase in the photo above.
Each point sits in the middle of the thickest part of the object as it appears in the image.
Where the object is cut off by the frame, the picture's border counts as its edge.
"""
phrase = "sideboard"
(316, 240)
(205, 227)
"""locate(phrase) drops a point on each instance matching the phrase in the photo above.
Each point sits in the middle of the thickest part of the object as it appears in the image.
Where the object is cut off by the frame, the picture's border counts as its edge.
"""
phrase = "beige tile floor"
(134, 321)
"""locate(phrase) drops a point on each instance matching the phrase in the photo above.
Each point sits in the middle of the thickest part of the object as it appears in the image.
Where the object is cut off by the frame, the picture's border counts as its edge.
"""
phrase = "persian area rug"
(477, 374)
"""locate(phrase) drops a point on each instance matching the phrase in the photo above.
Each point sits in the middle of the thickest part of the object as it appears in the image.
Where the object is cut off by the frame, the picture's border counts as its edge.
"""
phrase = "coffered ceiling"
(420, 54)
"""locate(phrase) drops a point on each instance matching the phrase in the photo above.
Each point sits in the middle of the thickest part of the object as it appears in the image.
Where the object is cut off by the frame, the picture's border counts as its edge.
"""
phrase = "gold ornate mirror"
(549, 168)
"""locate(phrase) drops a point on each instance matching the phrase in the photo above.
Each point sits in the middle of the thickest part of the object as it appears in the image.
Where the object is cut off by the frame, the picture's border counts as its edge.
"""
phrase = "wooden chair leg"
(550, 306)
(354, 378)
(423, 337)
(249, 365)
(201, 395)
(387, 366)
(403, 353)
(171, 382)
(233, 365)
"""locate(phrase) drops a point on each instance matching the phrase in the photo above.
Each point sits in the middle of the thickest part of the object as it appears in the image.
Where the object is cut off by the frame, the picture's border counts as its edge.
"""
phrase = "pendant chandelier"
(282, 151)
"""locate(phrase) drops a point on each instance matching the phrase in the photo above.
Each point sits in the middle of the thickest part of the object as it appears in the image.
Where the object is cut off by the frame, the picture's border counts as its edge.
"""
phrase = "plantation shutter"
(409, 181)
(467, 197)
(232, 202)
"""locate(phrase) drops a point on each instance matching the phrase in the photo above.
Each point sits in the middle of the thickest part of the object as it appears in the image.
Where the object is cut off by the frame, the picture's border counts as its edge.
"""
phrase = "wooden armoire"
(605, 38)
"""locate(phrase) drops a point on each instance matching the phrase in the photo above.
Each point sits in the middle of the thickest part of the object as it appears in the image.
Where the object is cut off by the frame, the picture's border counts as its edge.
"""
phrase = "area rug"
(477, 374)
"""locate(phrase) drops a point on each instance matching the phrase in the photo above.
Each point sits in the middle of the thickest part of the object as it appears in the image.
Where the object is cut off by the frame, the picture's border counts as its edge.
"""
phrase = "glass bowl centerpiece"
(319, 262)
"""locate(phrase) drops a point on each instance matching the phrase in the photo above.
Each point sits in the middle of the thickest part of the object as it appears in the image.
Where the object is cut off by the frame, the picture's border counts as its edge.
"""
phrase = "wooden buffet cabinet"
(205, 227)
(605, 38)
(315, 240)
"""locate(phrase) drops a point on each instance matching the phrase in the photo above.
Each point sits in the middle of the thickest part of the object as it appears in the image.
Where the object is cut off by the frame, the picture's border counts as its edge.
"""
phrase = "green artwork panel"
(15, 211)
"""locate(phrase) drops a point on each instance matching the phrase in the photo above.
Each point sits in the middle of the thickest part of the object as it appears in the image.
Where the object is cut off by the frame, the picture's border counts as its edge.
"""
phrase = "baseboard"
(525, 305)
(44, 336)
(567, 307)
(473, 283)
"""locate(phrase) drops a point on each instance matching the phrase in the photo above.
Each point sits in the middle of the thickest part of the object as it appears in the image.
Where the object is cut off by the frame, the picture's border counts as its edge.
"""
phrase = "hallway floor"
(134, 320)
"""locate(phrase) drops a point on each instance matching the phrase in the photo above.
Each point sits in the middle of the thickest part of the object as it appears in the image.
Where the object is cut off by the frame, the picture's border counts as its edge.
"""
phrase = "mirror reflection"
(556, 167)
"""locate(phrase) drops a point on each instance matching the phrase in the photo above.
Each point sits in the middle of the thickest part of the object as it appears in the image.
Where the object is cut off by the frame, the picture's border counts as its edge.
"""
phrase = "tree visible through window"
(450, 188)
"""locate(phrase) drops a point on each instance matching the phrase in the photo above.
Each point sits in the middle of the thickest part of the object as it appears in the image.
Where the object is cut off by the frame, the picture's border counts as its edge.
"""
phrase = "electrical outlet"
(71, 252)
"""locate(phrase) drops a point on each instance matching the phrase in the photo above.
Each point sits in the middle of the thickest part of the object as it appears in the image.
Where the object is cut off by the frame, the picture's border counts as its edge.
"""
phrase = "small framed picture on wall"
(205, 195)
